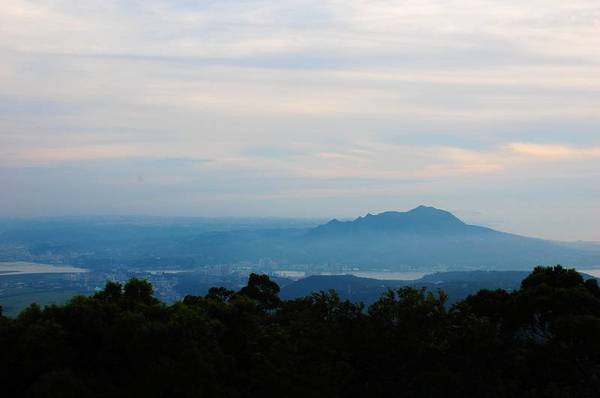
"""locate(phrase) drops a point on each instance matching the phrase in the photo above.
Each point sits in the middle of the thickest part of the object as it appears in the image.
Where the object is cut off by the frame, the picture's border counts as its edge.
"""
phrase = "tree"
(138, 290)
(555, 277)
(112, 291)
(538, 341)
(263, 290)
(220, 294)
(59, 384)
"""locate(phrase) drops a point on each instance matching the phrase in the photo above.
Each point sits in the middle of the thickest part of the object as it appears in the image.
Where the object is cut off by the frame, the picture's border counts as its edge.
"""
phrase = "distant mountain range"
(422, 239)
(422, 220)
(427, 237)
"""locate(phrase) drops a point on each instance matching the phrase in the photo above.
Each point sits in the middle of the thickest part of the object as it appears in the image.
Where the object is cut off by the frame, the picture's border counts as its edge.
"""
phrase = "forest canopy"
(538, 341)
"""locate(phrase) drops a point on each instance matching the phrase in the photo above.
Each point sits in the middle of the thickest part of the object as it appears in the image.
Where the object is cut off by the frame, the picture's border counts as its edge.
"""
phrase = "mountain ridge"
(429, 238)
(421, 219)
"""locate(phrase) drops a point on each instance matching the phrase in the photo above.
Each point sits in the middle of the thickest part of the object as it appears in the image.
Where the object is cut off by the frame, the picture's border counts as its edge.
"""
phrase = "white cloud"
(554, 151)
(345, 90)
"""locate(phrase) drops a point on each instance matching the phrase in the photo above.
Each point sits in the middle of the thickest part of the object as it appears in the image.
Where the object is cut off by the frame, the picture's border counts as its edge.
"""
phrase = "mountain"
(430, 238)
(421, 220)
(422, 239)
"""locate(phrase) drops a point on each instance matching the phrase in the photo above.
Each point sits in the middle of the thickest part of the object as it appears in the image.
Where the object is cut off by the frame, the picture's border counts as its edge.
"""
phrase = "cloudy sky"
(490, 109)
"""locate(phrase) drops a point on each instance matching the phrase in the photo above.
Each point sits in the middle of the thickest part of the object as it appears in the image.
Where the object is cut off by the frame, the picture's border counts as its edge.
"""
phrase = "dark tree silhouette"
(538, 341)
(263, 290)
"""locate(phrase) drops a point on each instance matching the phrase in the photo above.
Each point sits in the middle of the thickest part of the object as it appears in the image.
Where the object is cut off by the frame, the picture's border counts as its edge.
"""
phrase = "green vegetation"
(538, 341)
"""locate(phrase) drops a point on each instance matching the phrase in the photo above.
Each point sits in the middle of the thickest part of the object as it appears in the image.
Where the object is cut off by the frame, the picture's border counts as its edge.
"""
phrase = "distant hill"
(428, 238)
(421, 220)
(457, 285)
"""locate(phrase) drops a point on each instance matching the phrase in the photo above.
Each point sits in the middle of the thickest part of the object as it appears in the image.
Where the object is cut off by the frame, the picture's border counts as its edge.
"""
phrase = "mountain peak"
(421, 219)
(423, 208)
(433, 213)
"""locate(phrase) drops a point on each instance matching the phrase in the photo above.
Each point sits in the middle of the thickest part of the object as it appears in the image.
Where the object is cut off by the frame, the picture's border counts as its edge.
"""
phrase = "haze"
(304, 109)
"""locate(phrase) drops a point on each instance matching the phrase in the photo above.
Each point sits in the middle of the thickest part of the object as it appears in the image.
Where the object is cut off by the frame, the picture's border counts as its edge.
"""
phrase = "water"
(390, 275)
(402, 276)
(21, 268)
(381, 275)
(595, 272)
(291, 274)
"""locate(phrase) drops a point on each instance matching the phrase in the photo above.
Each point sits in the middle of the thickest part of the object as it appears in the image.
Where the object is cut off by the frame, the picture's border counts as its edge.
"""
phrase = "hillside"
(424, 238)
(457, 285)
(420, 220)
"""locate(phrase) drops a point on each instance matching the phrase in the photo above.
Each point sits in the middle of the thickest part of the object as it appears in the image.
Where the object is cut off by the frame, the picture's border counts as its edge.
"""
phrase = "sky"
(489, 109)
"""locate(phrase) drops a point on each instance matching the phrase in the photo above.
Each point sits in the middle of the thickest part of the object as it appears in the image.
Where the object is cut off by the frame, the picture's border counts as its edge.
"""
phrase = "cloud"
(271, 152)
(293, 100)
(554, 151)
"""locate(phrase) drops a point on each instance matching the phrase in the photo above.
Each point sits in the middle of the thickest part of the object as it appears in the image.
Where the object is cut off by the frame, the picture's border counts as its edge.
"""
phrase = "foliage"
(538, 341)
